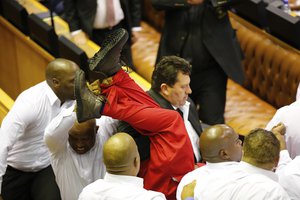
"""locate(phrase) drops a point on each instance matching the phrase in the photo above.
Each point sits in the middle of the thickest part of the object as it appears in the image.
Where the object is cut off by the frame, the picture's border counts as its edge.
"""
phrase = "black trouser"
(19, 185)
(126, 55)
(209, 92)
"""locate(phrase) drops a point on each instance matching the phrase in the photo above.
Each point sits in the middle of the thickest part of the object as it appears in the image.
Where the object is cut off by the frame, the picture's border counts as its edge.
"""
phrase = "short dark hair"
(167, 69)
(262, 146)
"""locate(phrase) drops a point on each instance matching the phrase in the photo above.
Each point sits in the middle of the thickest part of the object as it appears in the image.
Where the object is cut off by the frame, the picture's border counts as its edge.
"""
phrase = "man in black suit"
(170, 89)
(89, 18)
(200, 32)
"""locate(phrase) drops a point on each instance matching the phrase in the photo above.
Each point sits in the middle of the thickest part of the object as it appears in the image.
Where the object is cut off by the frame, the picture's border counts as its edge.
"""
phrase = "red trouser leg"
(171, 154)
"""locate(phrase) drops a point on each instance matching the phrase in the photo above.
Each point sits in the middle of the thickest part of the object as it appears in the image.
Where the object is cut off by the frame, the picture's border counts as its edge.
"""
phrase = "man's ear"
(136, 162)
(55, 82)
(223, 155)
(276, 161)
(164, 89)
(96, 129)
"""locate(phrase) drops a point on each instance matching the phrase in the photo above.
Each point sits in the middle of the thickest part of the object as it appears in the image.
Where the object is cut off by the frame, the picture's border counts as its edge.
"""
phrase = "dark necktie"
(180, 112)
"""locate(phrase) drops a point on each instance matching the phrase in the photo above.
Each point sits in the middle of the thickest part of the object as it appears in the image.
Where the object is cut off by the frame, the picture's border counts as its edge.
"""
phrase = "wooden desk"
(61, 27)
(23, 62)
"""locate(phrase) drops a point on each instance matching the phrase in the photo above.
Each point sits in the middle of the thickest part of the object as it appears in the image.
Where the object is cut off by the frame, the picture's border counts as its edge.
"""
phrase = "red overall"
(171, 154)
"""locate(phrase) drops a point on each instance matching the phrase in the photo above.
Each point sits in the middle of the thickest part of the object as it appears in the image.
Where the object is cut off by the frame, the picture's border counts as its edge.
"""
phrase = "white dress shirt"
(75, 171)
(235, 183)
(100, 18)
(289, 116)
(256, 170)
(194, 137)
(230, 180)
(202, 173)
(22, 130)
(289, 177)
(119, 187)
(298, 89)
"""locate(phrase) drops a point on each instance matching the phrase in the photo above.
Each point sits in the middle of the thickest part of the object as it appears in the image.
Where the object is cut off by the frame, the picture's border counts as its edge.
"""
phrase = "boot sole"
(120, 36)
(79, 107)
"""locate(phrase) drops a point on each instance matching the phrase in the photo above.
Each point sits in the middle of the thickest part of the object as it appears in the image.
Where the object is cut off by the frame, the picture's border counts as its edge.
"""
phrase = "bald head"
(219, 143)
(120, 155)
(60, 76)
(58, 67)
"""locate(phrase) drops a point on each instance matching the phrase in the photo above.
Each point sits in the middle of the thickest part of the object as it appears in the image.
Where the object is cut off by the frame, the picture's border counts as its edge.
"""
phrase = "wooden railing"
(5, 104)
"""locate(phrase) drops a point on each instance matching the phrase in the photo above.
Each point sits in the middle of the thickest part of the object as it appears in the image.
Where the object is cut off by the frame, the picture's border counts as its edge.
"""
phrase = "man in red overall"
(171, 154)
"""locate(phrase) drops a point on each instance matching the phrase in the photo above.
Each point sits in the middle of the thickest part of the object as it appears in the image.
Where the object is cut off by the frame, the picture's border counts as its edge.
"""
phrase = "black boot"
(106, 61)
(88, 104)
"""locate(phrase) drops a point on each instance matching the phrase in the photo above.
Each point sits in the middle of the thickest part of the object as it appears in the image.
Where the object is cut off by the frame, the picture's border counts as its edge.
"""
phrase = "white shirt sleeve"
(107, 126)
(13, 126)
(289, 178)
(284, 159)
(277, 118)
(57, 132)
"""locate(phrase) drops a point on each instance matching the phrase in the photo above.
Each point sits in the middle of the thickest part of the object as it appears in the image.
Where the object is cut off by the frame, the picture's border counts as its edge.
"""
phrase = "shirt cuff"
(285, 156)
(138, 28)
(76, 32)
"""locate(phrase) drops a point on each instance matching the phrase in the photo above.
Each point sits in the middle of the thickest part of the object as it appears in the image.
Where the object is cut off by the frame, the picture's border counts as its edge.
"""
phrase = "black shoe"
(106, 61)
(88, 104)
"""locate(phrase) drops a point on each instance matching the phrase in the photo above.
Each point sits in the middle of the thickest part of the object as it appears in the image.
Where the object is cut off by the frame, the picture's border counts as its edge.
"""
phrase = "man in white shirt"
(25, 170)
(289, 178)
(289, 116)
(253, 177)
(250, 179)
(122, 161)
(221, 149)
(76, 151)
(95, 19)
(263, 150)
(288, 172)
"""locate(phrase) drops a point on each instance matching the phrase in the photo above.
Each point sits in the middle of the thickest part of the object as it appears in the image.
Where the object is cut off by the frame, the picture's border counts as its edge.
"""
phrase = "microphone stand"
(51, 14)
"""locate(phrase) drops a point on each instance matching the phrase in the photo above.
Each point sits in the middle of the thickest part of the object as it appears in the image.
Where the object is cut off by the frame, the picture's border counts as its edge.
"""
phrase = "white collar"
(256, 170)
(51, 95)
(133, 180)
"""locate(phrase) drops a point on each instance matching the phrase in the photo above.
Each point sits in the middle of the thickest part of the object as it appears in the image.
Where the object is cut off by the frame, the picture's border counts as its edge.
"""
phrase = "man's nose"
(189, 90)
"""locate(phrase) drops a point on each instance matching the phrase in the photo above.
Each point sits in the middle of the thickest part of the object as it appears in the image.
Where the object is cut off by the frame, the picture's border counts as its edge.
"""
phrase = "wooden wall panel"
(9, 80)
(22, 61)
(31, 62)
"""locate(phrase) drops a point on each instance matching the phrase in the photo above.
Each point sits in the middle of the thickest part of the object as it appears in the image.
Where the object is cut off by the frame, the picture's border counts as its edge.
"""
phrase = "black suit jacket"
(193, 114)
(217, 35)
(142, 141)
(80, 14)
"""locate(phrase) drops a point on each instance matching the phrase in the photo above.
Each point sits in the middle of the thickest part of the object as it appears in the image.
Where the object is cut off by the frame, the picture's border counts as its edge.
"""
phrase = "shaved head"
(60, 76)
(261, 149)
(220, 143)
(120, 155)
(58, 67)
